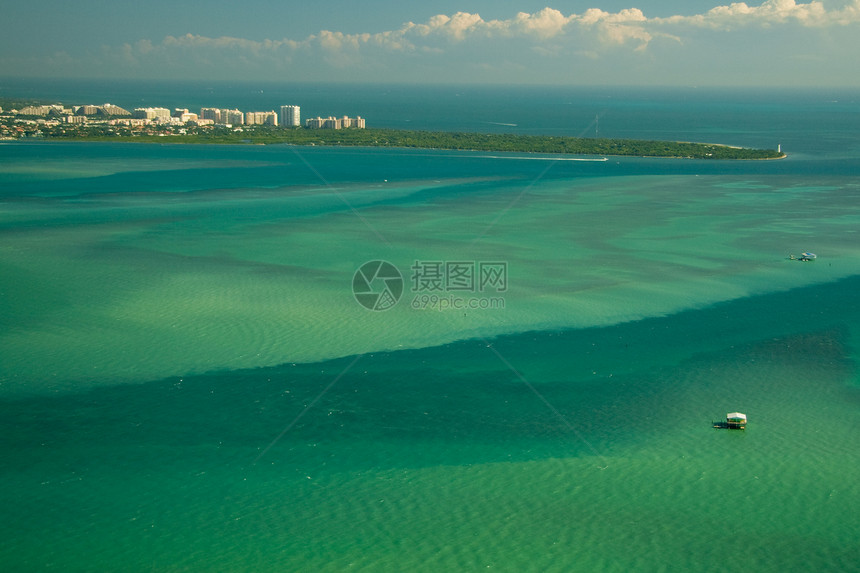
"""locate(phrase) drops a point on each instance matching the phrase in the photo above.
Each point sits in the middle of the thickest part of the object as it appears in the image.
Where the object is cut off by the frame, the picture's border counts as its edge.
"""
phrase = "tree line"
(498, 142)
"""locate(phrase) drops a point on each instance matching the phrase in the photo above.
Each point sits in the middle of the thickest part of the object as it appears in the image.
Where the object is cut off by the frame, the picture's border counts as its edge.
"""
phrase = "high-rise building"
(290, 116)
(335, 123)
(184, 116)
(212, 113)
(261, 118)
(151, 113)
(110, 109)
(43, 110)
(323, 123)
(232, 116)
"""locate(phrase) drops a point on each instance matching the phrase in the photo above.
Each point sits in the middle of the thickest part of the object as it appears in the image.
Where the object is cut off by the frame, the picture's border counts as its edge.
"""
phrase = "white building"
(110, 109)
(261, 118)
(290, 116)
(151, 113)
(212, 113)
(133, 122)
(87, 110)
(39, 110)
(232, 117)
(332, 122)
(183, 115)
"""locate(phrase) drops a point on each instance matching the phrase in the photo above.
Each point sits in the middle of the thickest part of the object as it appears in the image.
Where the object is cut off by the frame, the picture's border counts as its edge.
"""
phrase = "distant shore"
(110, 123)
(394, 138)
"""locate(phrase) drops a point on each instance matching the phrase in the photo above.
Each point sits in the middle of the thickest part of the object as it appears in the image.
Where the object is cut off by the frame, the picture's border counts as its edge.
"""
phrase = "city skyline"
(288, 116)
(635, 42)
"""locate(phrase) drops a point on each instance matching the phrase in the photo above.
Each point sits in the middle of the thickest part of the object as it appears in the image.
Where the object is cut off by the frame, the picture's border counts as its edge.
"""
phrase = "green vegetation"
(409, 139)
(485, 142)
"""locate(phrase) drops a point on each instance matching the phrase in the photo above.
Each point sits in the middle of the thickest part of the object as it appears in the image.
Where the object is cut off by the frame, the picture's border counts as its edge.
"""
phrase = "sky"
(788, 43)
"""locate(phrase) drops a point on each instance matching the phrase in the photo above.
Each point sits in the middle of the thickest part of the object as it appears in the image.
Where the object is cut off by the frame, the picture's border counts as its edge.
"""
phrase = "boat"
(736, 420)
(804, 257)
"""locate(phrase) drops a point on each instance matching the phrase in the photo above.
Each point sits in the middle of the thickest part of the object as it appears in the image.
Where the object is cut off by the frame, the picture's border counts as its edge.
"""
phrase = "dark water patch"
(554, 394)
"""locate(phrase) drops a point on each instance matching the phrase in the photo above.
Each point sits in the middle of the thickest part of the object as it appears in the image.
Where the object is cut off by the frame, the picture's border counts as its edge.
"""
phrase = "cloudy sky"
(567, 42)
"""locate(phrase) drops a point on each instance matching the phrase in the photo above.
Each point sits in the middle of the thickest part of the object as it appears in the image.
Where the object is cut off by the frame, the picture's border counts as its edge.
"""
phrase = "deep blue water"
(817, 121)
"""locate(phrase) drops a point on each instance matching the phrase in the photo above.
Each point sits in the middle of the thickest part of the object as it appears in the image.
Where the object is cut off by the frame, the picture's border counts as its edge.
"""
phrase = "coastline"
(434, 140)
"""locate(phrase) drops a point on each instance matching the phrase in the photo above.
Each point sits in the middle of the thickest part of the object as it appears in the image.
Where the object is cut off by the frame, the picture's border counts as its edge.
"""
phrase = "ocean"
(277, 358)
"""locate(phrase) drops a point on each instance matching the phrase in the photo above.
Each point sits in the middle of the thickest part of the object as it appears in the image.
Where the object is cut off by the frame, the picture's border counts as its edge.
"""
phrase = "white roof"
(736, 415)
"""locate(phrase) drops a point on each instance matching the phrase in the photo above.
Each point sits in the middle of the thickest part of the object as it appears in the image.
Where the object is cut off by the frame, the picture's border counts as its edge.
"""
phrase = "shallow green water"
(188, 382)
(112, 286)
(446, 458)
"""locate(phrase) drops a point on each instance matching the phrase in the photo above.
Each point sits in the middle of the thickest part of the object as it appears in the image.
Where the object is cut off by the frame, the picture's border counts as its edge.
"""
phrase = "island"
(108, 125)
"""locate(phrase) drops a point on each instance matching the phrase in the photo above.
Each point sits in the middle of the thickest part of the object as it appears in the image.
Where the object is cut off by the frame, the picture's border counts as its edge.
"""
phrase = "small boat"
(807, 256)
(736, 420)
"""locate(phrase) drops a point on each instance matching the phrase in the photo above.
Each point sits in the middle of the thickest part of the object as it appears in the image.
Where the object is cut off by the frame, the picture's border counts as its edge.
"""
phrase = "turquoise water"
(188, 383)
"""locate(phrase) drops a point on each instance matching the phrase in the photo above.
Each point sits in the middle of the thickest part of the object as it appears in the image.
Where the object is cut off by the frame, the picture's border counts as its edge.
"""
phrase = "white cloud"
(544, 24)
(598, 16)
(769, 13)
(594, 27)
(629, 26)
(455, 27)
(461, 42)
